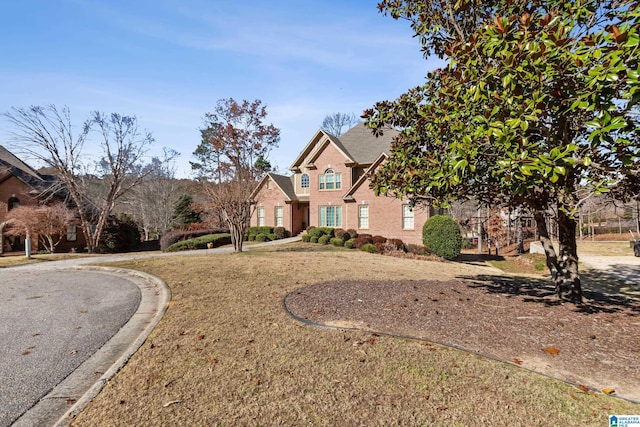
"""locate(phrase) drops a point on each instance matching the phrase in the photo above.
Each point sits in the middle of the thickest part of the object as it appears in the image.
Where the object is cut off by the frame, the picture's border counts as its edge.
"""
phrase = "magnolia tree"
(232, 155)
(537, 100)
(47, 222)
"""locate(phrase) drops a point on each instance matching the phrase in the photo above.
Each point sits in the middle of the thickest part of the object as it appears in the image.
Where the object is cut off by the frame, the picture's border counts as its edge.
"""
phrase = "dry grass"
(227, 354)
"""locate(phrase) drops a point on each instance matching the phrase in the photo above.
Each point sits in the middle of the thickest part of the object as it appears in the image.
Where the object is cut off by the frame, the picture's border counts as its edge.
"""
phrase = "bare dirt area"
(227, 352)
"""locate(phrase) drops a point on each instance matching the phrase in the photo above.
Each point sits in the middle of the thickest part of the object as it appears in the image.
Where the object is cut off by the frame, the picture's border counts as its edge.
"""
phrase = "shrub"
(281, 233)
(313, 239)
(416, 249)
(179, 235)
(359, 241)
(349, 244)
(121, 234)
(261, 237)
(397, 244)
(337, 241)
(272, 236)
(324, 239)
(352, 233)
(201, 242)
(341, 234)
(379, 239)
(321, 231)
(252, 232)
(305, 237)
(369, 247)
(441, 234)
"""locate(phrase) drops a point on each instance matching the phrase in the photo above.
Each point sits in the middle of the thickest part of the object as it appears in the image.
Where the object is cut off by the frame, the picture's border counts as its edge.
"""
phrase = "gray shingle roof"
(286, 184)
(364, 147)
(18, 168)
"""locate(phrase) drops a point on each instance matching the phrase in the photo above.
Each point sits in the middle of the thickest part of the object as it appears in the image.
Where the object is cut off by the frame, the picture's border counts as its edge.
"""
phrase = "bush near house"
(337, 241)
(201, 242)
(441, 234)
(369, 247)
(324, 239)
(318, 232)
(361, 240)
(281, 233)
(253, 232)
(349, 244)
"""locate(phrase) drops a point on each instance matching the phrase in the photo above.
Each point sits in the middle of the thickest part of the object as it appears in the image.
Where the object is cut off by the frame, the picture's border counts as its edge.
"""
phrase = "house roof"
(284, 183)
(359, 145)
(16, 167)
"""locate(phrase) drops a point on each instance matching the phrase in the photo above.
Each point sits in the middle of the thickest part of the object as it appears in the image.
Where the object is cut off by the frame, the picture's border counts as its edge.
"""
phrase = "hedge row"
(350, 239)
(201, 242)
(179, 235)
(266, 233)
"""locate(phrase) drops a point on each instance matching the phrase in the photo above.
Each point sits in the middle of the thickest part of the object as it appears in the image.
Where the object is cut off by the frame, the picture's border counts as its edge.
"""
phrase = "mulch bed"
(519, 321)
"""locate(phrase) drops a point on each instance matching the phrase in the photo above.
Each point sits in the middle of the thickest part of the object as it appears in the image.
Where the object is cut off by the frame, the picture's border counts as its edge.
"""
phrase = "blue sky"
(168, 61)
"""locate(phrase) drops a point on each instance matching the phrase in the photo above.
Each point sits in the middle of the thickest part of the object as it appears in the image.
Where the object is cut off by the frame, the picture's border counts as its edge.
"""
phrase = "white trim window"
(279, 216)
(72, 233)
(330, 216)
(304, 180)
(260, 216)
(363, 216)
(330, 180)
(407, 217)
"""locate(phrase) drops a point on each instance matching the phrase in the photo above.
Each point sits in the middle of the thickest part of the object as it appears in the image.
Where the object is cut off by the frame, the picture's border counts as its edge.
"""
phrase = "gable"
(283, 183)
(320, 141)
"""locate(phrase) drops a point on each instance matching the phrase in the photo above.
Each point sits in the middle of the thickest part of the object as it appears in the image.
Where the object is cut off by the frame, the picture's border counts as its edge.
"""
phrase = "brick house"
(330, 187)
(21, 185)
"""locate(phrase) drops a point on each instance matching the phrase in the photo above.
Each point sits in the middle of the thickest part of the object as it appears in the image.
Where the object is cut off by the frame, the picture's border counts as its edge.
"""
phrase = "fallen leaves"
(517, 361)
(551, 350)
(608, 391)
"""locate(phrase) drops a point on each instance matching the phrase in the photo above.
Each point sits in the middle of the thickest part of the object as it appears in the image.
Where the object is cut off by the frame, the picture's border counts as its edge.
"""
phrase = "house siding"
(385, 213)
(269, 197)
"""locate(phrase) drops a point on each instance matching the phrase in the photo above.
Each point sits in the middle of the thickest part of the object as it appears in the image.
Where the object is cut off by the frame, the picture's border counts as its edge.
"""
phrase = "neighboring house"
(22, 185)
(330, 187)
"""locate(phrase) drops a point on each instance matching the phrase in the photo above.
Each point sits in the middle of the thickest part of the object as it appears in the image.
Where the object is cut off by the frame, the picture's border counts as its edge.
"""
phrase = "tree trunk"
(563, 265)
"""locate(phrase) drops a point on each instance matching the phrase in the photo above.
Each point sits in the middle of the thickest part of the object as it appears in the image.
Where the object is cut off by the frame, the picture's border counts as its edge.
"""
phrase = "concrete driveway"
(624, 268)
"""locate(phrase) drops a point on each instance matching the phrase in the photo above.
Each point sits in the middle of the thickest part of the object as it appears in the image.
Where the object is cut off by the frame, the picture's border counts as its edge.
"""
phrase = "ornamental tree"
(232, 157)
(536, 107)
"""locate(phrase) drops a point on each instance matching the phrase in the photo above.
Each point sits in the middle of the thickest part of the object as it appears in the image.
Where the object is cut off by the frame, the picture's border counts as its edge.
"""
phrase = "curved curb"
(451, 346)
(80, 387)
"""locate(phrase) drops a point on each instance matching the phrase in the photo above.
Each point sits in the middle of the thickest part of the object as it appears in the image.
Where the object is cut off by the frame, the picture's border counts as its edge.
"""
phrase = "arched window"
(13, 202)
(304, 181)
(330, 180)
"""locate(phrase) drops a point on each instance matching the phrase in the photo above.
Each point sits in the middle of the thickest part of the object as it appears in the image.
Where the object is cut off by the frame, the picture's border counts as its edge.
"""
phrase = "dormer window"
(330, 180)
(304, 180)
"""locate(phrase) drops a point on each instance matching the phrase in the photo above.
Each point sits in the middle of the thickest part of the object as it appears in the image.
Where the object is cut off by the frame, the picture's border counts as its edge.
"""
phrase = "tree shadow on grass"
(541, 291)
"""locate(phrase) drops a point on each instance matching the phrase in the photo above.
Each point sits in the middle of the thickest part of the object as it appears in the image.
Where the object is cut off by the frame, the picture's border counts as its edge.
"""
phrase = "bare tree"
(337, 122)
(156, 195)
(238, 138)
(47, 135)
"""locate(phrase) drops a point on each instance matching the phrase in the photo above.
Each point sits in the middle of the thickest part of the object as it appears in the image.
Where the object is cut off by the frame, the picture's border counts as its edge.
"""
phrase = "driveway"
(67, 329)
(624, 268)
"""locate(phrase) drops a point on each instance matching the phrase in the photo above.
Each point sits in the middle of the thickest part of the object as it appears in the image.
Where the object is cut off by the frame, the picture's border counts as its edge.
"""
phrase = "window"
(13, 202)
(407, 217)
(279, 216)
(330, 180)
(304, 181)
(72, 233)
(260, 216)
(330, 216)
(363, 216)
